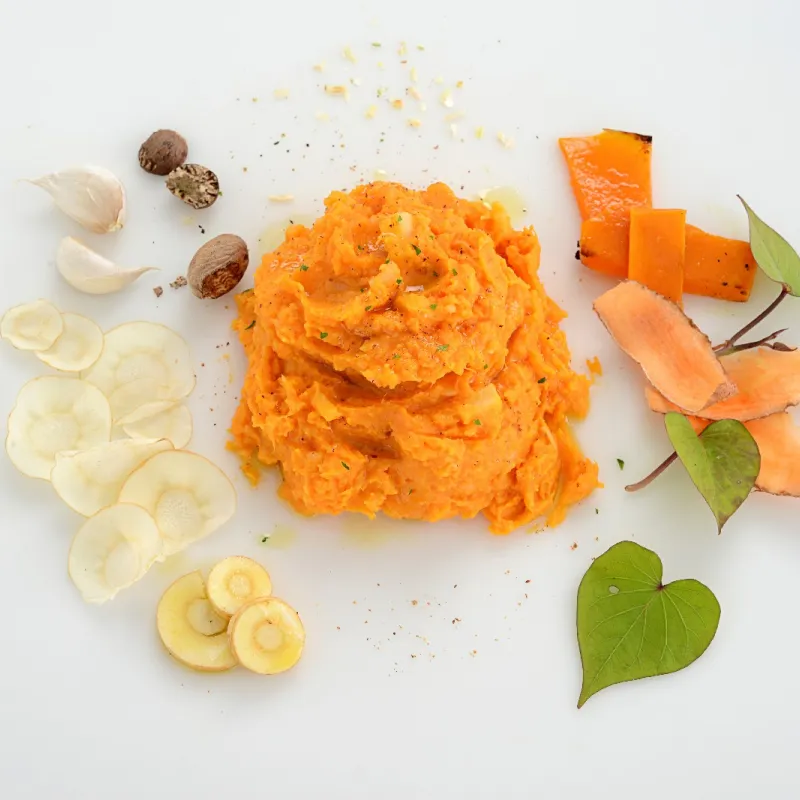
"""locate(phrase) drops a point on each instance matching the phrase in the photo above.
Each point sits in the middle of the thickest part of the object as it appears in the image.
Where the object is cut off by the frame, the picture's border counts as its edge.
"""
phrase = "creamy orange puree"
(404, 357)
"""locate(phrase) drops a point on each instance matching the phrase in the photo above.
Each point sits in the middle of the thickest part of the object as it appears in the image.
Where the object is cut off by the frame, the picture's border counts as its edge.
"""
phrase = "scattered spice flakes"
(398, 103)
(504, 140)
(473, 653)
(620, 463)
(415, 122)
(414, 602)
(179, 282)
(573, 546)
(349, 54)
(456, 620)
(371, 112)
(355, 81)
(337, 90)
(281, 94)
(158, 291)
(281, 198)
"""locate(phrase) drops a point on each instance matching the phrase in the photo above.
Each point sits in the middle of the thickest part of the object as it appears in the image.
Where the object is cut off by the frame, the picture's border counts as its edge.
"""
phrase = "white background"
(90, 706)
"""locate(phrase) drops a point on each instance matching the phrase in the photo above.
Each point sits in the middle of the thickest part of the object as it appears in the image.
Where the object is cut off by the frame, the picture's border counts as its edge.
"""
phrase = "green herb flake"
(346, 465)
(416, 249)
(250, 325)
(399, 218)
(323, 335)
(360, 246)
(443, 347)
(376, 44)
(477, 421)
(454, 271)
(304, 267)
(420, 47)
(631, 625)
(542, 380)
(399, 281)
(388, 260)
(486, 366)
(396, 355)
(620, 463)
(367, 308)
(264, 539)
(433, 306)
(435, 274)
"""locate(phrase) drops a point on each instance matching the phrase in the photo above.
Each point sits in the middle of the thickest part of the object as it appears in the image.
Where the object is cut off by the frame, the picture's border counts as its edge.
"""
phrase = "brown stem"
(750, 345)
(750, 325)
(634, 487)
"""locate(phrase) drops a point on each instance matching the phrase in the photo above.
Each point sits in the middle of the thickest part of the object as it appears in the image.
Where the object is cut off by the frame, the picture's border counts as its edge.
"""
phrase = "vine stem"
(766, 341)
(750, 325)
(634, 487)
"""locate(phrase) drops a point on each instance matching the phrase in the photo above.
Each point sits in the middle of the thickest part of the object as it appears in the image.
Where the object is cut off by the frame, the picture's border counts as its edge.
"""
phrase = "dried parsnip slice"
(53, 414)
(188, 496)
(112, 550)
(32, 326)
(174, 424)
(88, 480)
(235, 581)
(77, 348)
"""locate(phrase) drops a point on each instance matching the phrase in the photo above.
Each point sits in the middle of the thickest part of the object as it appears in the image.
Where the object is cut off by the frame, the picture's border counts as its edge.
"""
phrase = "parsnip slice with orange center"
(32, 326)
(142, 364)
(768, 382)
(267, 636)
(77, 348)
(53, 414)
(188, 496)
(112, 550)
(676, 357)
(190, 629)
(235, 581)
(174, 423)
(88, 480)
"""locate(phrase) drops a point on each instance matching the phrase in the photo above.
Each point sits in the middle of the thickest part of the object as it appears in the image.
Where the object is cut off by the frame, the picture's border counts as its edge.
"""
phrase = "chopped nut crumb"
(281, 198)
(453, 116)
(403, 49)
(319, 67)
(454, 130)
(573, 546)
(460, 85)
(339, 90)
(414, 602)
(473, 653)
(322, 116)
(158, 291)
(414, 75)
(355, 81)
(178, 282)
(371, 112)
(438, 79)
(398, 104)
(412, 91)
(504, 140)
(479, 132)
(447, 99)
(349, 54)
(415, 123)
(281, 94)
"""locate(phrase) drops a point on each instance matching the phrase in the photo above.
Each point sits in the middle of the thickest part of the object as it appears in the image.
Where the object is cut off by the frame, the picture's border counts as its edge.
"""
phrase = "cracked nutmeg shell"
(162, 152)
(218, 266)
(194, 184)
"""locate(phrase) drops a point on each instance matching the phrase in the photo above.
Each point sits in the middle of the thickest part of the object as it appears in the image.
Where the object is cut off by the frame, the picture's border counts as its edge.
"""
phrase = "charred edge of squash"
(642, 137)
(586, 253)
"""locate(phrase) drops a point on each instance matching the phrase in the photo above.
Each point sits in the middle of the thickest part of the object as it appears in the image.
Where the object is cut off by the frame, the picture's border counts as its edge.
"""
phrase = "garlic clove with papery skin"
(88, 271)
(92, 196)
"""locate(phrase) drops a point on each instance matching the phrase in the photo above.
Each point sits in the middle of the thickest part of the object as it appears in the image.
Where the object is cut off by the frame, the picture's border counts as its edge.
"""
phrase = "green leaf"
(631, 626)
(723, 462)
(773, 253)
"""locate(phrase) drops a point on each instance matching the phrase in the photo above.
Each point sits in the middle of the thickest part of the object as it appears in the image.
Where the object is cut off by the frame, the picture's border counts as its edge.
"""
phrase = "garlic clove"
(92, 196)
(89, 272)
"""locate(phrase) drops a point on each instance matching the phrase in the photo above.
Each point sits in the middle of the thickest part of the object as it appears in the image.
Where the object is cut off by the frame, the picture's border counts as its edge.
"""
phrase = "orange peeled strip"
(676, 357)
(768, 382)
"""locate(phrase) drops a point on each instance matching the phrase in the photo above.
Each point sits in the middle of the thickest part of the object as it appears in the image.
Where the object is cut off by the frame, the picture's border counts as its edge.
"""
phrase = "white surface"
(92, 707)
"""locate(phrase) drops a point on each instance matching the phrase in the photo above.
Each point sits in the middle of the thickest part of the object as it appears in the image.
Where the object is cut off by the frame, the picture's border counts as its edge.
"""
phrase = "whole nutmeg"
(162, 151)
(194, 184)
(218, 266)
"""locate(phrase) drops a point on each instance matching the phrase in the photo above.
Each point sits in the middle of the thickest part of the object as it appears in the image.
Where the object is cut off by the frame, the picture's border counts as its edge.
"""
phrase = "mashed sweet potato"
(403, 357)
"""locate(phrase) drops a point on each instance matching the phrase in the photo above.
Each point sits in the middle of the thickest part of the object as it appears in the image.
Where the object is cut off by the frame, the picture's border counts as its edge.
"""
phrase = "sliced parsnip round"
(142, 363)
(188, 496)
(32, 326)
(52, 414)
(190, 629)
(112, 550)
(267, 636)
(174, 424)
(78, 347)
(235, 581)
(88, 480)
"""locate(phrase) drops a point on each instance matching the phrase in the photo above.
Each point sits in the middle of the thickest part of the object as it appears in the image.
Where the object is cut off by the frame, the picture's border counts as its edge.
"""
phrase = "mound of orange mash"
(403, 357)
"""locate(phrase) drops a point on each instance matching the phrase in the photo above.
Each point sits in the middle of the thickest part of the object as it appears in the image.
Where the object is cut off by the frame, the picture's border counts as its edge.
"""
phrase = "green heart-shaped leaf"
(723, 462)
(631, 626)
(773, 253)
